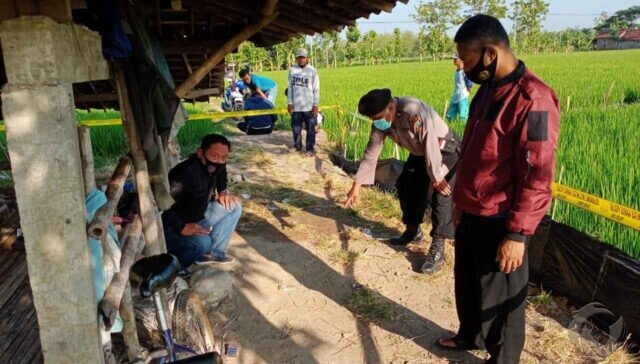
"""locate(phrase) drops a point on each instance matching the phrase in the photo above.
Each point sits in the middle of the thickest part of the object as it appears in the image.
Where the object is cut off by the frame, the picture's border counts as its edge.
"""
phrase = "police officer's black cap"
(374, 101)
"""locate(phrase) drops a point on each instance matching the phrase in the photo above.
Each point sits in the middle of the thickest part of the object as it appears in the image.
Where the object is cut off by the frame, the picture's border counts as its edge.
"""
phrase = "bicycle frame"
(171, 347)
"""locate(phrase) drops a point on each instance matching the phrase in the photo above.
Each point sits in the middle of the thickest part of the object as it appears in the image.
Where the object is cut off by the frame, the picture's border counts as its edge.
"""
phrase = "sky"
(562, 14)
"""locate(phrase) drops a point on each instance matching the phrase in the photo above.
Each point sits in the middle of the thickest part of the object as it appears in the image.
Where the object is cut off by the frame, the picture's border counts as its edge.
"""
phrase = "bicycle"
(192, 339)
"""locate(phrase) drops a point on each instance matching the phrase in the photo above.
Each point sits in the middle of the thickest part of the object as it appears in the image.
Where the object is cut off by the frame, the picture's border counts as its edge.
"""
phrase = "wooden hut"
(51, 63)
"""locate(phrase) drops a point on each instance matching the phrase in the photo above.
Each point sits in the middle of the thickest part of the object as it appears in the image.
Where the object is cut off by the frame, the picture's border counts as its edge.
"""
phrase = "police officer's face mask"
(382, 124)
(482, 74)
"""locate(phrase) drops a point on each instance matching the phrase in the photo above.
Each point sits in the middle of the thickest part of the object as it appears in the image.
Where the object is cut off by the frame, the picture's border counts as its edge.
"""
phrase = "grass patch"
(542, 302)
(368, 305)
(631, 96)
(345, 257)
(250, 154)
(620, 354)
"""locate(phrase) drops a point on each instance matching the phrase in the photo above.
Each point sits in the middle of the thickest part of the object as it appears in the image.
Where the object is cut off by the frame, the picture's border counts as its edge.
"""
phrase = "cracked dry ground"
(315, 283)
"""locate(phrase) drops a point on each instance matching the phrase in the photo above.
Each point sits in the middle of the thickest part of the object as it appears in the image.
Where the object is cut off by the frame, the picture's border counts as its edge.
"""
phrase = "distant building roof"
(625, 34)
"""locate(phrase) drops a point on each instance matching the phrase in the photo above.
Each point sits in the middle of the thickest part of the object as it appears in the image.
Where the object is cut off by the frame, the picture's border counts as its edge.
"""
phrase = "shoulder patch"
(537, 126)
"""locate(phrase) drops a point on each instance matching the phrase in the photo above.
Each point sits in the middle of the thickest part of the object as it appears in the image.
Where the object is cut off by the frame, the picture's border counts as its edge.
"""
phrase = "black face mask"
(212, 167)
(482, 74)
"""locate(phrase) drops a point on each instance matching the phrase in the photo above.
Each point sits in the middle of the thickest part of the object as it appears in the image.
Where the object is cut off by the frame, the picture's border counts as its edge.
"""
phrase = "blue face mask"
(382, 124)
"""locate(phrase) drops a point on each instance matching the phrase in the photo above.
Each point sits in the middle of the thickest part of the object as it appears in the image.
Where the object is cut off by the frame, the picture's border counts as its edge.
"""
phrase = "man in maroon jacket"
(503, 190)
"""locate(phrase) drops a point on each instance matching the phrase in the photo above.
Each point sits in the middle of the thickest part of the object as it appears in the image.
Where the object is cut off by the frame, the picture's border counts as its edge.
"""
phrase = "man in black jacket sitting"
(199, 225)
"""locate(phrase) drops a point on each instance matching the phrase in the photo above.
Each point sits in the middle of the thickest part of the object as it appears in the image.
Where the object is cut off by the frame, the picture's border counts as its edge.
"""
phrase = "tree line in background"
(432, 41)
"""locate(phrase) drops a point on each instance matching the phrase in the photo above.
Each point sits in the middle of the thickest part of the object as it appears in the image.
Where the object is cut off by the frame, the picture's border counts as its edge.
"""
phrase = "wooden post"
(86, 157)
(102, 218)
(143, 183)
(217, 56)
(113, 296)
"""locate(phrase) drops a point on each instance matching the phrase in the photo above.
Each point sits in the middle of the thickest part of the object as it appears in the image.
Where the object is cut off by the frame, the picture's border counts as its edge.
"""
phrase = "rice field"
(599, 146)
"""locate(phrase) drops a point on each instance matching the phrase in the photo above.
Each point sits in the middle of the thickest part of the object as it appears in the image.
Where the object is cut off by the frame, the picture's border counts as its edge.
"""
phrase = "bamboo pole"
(102, 218)
(216, 57)
(113, 295)
(129, 328)
(143, 183)
(86, 156)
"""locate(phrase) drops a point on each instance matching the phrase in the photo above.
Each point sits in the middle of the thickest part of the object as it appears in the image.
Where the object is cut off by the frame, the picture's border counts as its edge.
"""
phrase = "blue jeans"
(188, 248)
(459, 109)
(296, 125)
(271, 95)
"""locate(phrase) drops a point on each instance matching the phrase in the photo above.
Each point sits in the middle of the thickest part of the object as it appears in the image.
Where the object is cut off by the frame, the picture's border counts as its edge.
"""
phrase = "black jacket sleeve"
(221, 180)
(179, 182)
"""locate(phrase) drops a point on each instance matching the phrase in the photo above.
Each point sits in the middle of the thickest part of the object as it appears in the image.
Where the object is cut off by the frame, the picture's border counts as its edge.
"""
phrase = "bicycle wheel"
(191, 326)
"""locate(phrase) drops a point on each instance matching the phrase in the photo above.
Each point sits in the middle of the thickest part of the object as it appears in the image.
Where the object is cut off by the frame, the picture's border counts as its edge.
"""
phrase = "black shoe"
(409, 236)
(435, 257)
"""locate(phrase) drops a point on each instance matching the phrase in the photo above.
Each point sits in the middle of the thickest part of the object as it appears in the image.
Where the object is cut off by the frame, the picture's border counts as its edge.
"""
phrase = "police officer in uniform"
(503, 190)
(433, 149)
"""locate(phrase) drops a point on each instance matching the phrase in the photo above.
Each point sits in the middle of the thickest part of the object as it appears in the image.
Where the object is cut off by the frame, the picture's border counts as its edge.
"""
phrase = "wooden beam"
(86, 157)
(59, 10)
(186, 63)
(81, 99)
(268, 8)
(194, 94)
(217, 56)
(190, 46)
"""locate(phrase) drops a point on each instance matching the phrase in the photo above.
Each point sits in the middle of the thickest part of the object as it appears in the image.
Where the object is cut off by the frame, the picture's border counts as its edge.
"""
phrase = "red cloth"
(508, 154)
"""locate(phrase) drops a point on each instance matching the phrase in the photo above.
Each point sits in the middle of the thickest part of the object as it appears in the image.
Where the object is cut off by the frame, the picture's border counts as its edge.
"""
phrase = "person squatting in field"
(459, 105)
(199, 225)
(432, 161)
(260, 85)
(303, 98)
(506, 167)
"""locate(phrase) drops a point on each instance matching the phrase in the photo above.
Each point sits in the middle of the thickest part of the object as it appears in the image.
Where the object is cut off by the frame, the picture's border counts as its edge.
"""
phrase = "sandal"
(458, 344)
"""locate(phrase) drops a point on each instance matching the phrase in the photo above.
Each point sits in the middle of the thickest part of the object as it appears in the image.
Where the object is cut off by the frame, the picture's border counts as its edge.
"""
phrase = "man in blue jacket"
(260, 85)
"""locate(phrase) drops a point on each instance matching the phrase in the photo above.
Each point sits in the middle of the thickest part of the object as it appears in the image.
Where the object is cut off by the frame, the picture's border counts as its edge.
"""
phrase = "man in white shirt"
(303, 97)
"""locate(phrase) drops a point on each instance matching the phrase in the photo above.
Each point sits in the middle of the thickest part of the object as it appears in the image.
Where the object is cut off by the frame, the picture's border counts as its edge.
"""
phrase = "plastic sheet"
(586, 270)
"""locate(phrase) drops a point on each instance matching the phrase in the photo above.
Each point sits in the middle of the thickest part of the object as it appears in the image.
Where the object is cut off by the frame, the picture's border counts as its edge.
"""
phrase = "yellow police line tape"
(621, 214)
(201, 116)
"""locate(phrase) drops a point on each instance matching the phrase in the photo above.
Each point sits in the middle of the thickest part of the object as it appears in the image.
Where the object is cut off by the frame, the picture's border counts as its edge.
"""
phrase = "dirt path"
(314, 283)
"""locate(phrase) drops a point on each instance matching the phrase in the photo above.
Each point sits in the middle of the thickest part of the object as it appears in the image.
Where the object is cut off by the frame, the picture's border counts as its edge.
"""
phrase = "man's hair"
(211, 139)
(244, 72)
(482, 29)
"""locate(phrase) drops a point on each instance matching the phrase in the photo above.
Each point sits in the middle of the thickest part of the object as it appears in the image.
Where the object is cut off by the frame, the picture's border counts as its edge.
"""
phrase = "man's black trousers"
(413, 186)
(490, 304)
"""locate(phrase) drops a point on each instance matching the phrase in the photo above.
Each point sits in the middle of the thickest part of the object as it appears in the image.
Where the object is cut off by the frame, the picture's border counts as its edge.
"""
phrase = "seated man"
(199, 225)
(258, 124)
